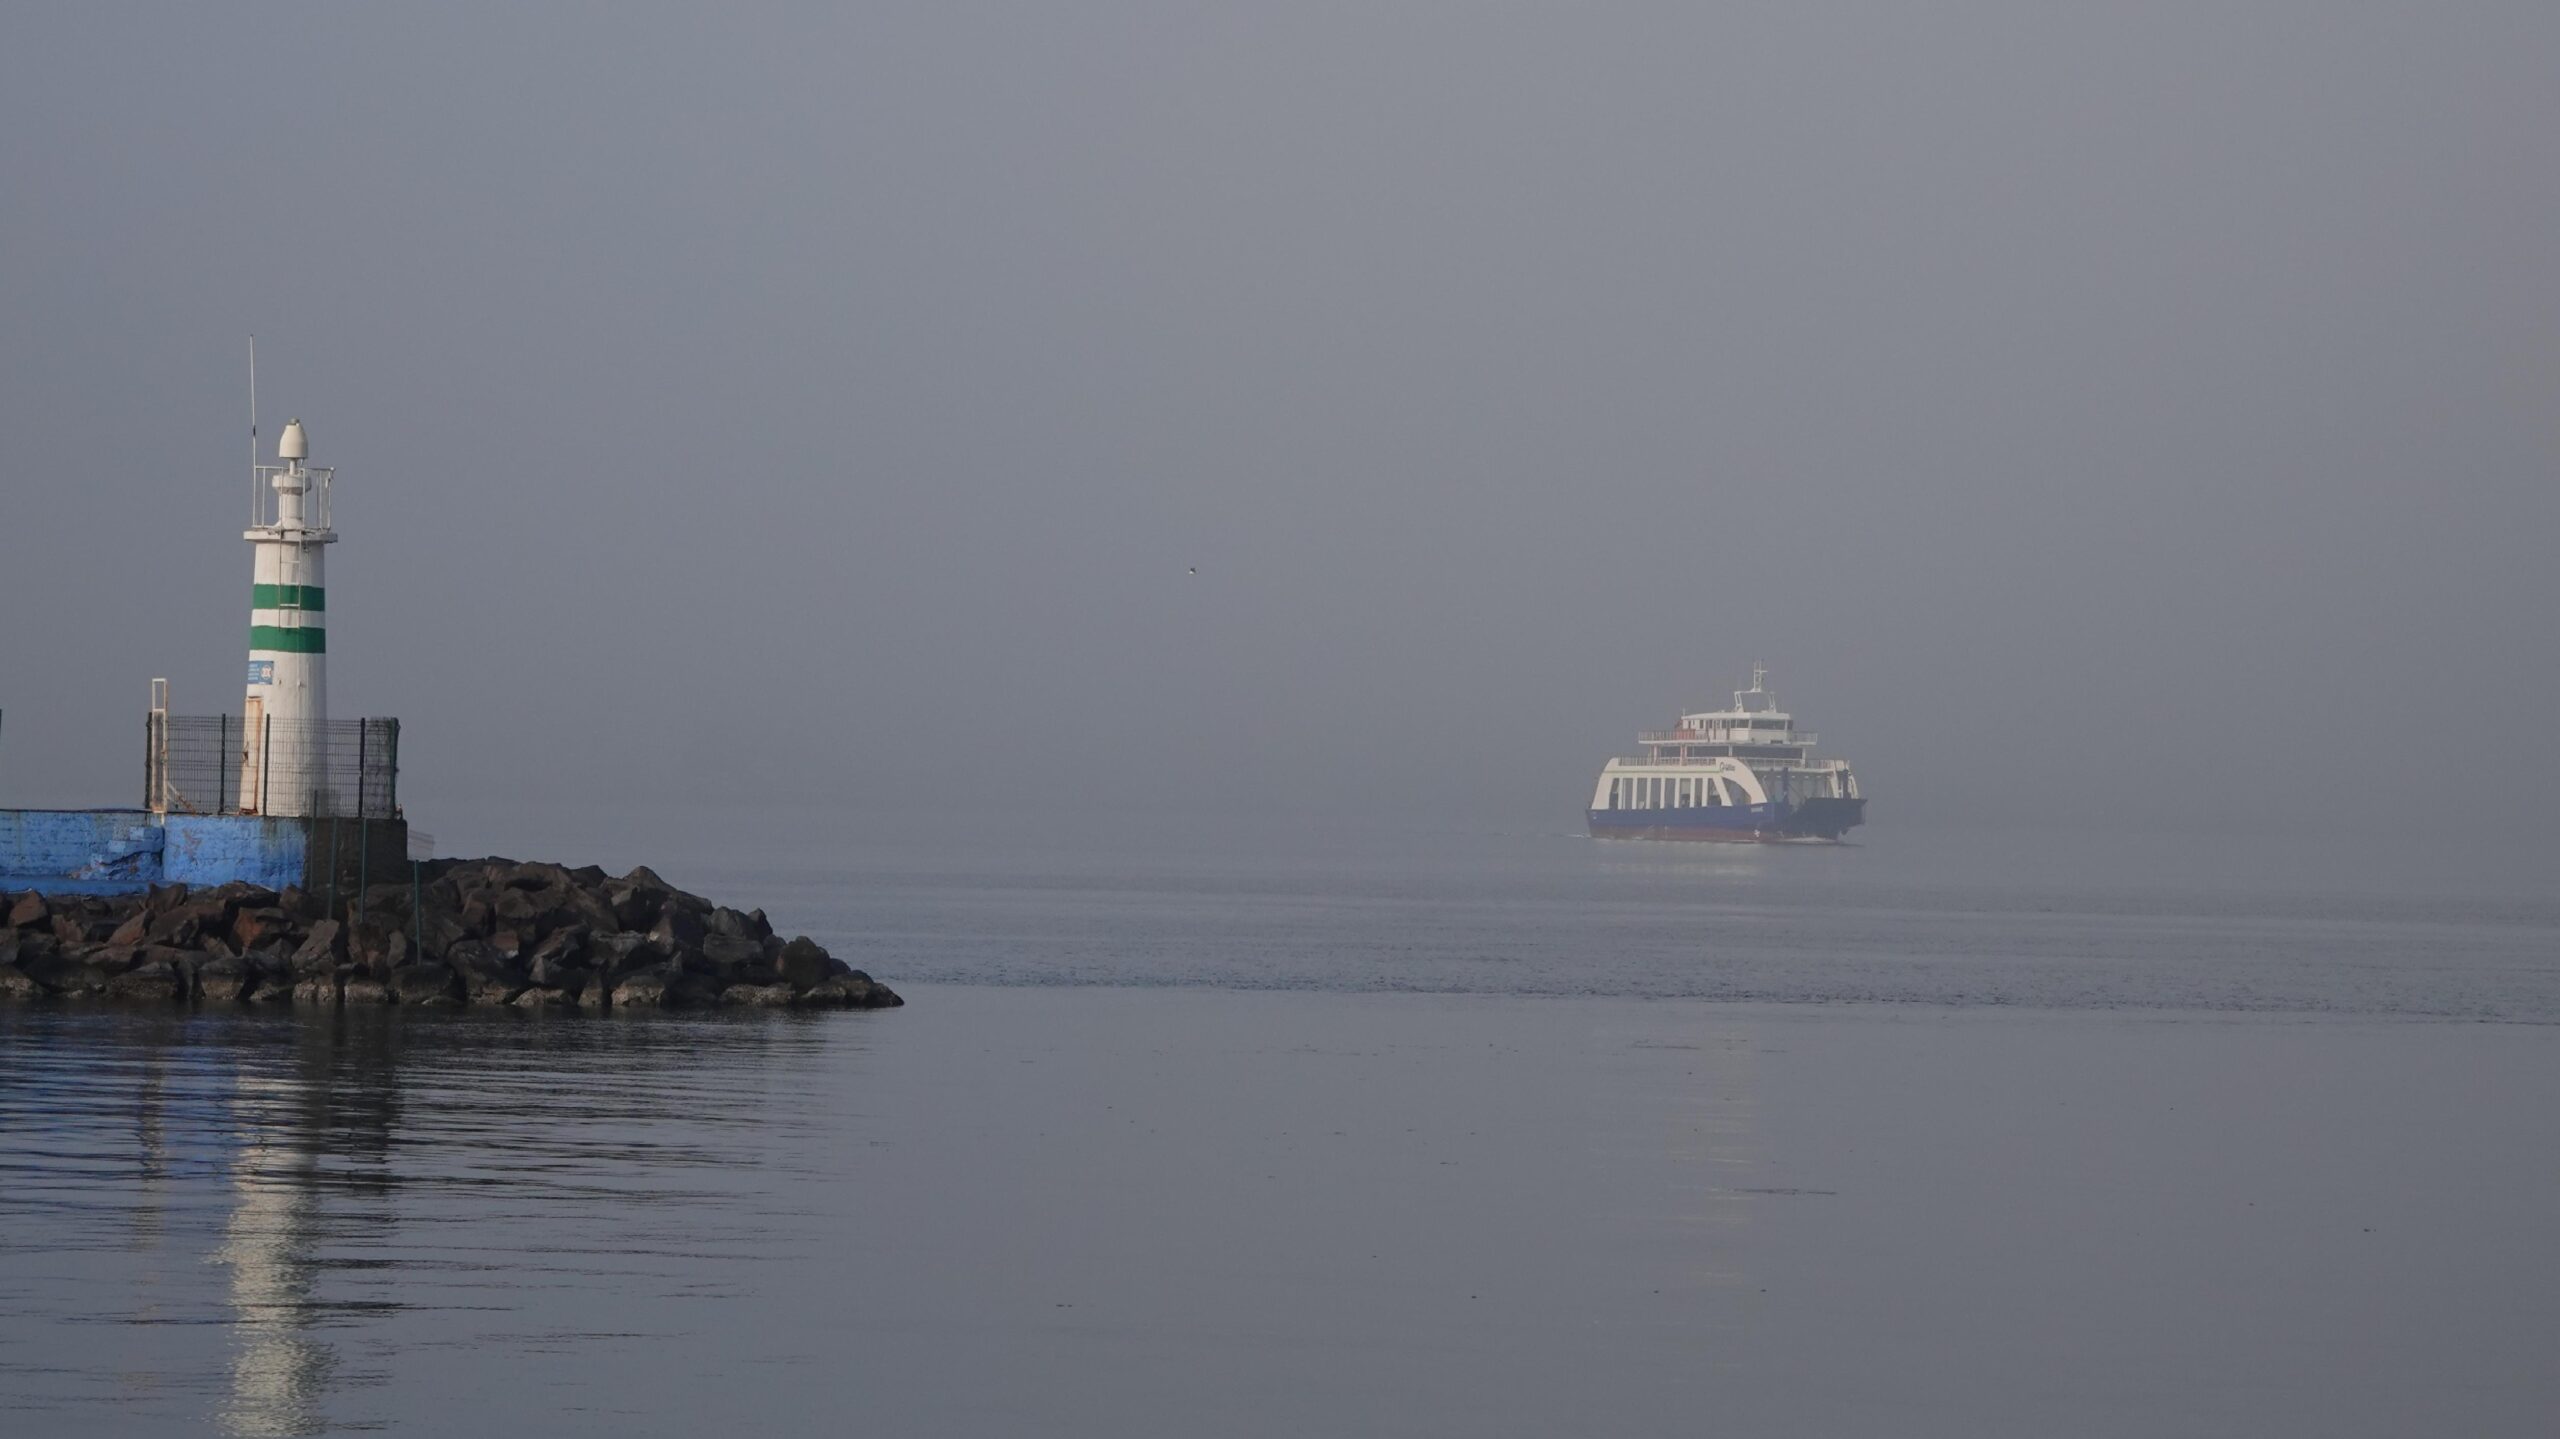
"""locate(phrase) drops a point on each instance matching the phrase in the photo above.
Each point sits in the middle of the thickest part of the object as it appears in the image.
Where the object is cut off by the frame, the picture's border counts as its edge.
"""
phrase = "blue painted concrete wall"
(120, 851)
(206, 850)
(78, 851)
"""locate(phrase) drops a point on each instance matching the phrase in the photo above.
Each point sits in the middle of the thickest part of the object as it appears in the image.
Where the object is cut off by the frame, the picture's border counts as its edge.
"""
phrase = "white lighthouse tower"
(284, 763)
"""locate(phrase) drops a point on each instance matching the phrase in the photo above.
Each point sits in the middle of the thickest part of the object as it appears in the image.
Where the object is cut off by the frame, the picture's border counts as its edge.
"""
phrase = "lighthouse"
(284, 764)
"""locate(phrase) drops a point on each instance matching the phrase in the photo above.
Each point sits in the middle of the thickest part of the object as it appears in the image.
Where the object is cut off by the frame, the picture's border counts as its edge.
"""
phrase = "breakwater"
(452, 933)
(127, 851)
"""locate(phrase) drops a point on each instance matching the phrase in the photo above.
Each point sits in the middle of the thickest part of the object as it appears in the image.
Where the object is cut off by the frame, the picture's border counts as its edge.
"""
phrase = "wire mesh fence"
(231, 764)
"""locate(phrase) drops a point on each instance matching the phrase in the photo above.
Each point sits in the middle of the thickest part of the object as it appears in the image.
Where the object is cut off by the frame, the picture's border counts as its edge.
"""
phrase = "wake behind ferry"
(1744, 774)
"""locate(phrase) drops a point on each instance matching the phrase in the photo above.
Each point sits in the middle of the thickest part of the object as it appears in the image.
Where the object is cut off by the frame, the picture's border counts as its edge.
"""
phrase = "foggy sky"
(2144, 416)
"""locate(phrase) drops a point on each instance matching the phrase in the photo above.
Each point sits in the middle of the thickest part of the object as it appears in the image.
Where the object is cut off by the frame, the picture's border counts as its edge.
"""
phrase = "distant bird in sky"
(1195, 569)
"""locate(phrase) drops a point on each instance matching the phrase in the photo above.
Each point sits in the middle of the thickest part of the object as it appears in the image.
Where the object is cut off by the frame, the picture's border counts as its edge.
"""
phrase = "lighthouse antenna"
(257, 511)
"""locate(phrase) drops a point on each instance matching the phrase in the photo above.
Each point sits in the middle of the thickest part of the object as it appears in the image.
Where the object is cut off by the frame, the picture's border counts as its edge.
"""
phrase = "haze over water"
(2133, 416)
(1139, 526)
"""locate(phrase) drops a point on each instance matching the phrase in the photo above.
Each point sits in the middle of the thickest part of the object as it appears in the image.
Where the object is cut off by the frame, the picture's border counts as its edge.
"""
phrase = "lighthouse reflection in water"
(276, 1223)
(280, 1369)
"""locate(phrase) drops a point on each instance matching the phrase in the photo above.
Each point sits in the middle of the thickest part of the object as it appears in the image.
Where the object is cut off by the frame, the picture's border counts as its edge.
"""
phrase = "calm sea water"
(2044, 921)
(1363, 1132)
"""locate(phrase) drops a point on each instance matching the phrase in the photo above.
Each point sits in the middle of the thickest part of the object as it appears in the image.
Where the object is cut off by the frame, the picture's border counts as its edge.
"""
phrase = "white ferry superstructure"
(1743, 774)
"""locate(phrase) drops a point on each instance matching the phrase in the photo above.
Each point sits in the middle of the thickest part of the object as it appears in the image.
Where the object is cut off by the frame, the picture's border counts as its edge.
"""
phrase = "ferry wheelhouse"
(1745, 773)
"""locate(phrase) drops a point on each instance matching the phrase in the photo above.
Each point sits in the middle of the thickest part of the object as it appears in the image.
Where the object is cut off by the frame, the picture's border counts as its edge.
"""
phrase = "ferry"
(1744, 774)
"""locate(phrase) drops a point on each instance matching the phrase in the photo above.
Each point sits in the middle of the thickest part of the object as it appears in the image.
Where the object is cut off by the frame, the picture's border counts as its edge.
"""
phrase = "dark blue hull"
(1772, 823)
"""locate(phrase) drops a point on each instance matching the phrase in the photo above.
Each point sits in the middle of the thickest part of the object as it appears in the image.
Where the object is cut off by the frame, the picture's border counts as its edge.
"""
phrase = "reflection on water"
(280, 1372)
(302, 1181)
(150, 1158)
(2120, 1144)
(1110, 1211)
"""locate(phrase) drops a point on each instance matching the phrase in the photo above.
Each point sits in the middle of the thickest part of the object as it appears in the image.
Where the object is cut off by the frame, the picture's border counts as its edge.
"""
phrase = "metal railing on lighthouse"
(226, 764)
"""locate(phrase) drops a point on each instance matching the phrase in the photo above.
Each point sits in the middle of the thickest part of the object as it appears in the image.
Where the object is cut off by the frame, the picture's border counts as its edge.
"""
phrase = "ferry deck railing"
(1816, 766)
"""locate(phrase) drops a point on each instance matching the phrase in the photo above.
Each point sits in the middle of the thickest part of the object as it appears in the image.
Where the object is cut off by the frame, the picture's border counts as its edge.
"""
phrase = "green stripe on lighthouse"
(292, 642)
(288, 597)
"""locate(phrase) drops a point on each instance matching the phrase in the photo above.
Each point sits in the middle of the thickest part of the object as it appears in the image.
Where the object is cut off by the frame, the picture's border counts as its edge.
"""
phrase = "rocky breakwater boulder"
(482, 932)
